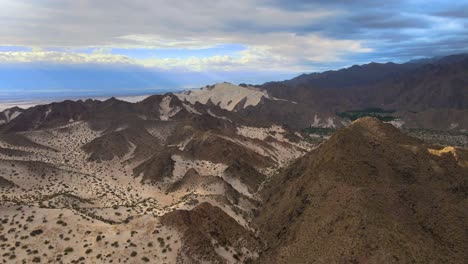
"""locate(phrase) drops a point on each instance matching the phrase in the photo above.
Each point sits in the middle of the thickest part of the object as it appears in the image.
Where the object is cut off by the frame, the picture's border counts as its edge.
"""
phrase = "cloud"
(62, 57)
(460, 11)
(389, 20)
(99, 23)
(283, 51)
(294, 35)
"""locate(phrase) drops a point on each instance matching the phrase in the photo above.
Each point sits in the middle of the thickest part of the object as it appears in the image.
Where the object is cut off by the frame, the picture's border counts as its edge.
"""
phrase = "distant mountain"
(438, 83)
(422, 88)
(352, 76)
(424, 94)
(441, 59)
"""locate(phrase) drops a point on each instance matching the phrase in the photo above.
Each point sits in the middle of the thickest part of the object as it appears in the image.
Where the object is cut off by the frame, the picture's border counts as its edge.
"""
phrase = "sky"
(77, 48)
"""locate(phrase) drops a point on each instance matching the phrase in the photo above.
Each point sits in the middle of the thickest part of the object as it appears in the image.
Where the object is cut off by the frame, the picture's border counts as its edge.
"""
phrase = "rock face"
(368, 195)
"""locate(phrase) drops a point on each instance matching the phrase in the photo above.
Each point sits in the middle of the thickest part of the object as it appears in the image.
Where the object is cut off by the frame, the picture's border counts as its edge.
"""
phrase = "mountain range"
(429, 94)
(366, 164)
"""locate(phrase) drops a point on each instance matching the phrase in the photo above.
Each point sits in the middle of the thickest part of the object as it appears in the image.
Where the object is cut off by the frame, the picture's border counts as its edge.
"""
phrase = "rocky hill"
(160, 181)
(369, 194)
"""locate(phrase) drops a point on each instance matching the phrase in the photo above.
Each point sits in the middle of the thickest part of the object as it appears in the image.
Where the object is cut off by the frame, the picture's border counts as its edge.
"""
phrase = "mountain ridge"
(368, 194)
(430, 94)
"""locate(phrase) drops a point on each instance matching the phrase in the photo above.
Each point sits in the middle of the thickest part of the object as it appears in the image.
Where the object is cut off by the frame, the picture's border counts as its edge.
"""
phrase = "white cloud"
(62, 57)
(155, 41)
(278, 51)
(266, 30)
(157, 23)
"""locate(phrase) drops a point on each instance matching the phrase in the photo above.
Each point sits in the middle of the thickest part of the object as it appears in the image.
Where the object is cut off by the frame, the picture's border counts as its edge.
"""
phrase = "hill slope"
(368, 195)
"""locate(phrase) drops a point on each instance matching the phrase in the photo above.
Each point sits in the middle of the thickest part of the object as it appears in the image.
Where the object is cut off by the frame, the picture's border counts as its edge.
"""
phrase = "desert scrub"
(36, 232)
(379, 113)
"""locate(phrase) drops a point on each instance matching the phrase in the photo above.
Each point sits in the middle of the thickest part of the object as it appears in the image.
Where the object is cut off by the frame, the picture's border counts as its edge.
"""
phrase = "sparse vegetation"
(323, 131)
(381, 114)
(36, 232)
(445, 138)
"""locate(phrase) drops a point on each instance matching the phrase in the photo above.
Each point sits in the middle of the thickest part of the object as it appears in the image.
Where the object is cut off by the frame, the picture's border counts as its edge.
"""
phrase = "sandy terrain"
(39, 235)
(73, 201)
(92, 198)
